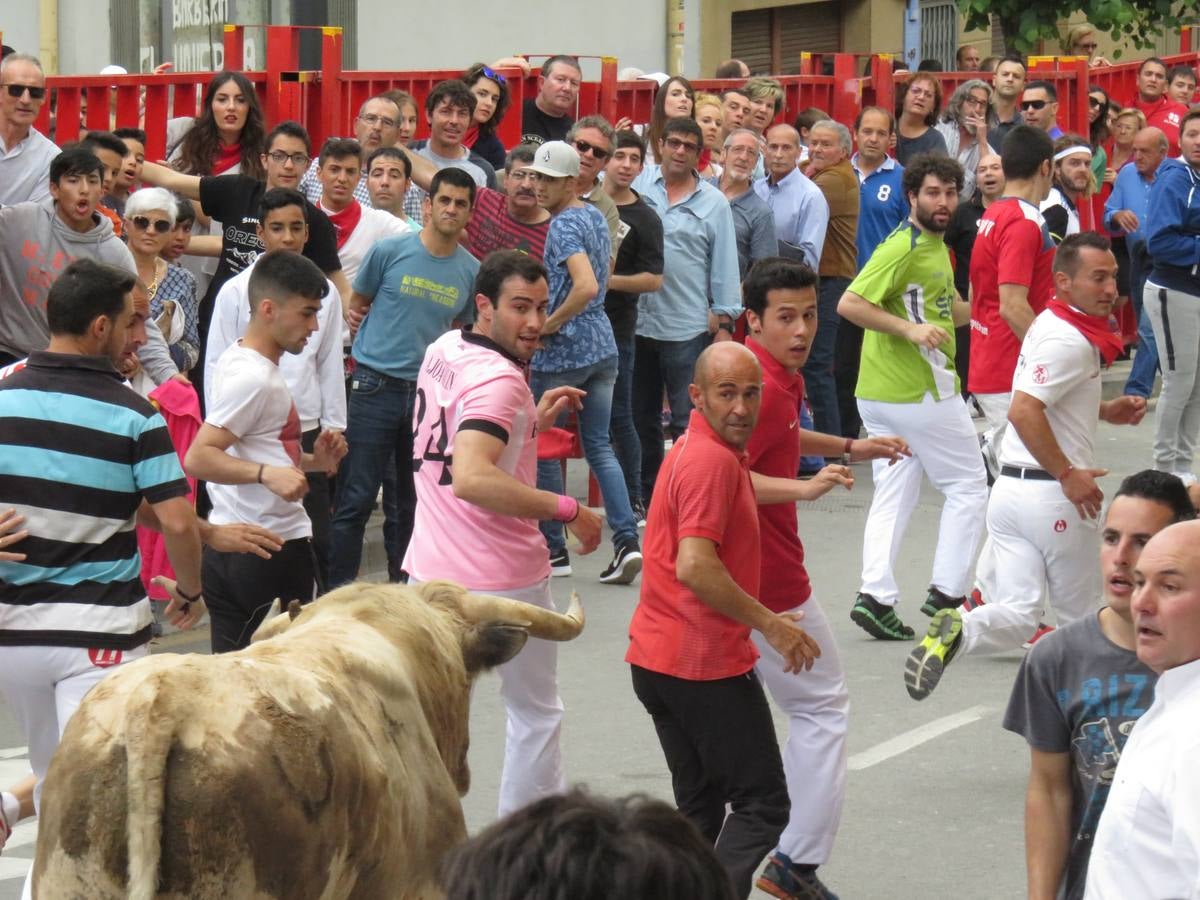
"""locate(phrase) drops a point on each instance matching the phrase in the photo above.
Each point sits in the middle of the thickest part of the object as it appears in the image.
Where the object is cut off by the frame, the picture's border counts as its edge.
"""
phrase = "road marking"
(902, 743)
(13, 752)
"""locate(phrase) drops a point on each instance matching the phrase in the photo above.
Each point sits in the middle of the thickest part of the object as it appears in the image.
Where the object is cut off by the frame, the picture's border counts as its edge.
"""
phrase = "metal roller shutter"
(811, 27)
(750, 34)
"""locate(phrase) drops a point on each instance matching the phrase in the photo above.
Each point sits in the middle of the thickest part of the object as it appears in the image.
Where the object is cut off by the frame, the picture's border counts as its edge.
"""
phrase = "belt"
(1027, 474)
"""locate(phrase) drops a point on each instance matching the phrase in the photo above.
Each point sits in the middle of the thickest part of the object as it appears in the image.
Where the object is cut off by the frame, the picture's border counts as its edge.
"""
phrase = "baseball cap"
(556, 159)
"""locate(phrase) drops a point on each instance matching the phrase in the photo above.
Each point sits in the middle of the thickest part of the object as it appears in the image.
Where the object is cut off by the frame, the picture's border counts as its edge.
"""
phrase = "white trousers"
(814, 758)
(1040, 543)
(995, 414)
(533, 766)
(944, 447)
(1175, 318)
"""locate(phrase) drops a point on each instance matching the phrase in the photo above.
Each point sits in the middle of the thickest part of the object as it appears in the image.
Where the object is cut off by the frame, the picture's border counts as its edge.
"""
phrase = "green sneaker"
(878, 620)
(935, 601)
(925, 665)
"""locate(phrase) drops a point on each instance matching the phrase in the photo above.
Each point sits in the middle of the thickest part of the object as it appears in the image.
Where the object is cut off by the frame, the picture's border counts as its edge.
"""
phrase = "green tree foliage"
(1025, 22)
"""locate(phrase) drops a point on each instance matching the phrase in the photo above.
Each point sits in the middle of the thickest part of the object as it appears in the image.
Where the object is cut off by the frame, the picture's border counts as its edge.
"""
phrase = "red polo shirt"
(1166, 115)
(774, 450)
(703, 490)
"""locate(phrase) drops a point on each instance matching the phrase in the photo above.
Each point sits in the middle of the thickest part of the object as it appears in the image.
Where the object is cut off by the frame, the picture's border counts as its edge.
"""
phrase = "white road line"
(902, 743)
(13, 752)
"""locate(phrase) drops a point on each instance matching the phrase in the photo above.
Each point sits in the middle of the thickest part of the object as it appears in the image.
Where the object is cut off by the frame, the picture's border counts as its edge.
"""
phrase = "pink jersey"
(468, 383)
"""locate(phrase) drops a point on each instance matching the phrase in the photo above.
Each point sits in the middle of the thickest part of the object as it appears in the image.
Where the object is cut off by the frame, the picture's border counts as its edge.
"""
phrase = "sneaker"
(639, 511)
(625, 565)
(879, 621)
(925, 665)
(935, 601)
(781, 878)
(1042, 630)
(560, 564)
(973, 602)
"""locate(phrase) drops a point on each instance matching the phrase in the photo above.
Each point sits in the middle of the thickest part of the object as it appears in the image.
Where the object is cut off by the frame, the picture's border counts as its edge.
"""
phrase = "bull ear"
(487, 646)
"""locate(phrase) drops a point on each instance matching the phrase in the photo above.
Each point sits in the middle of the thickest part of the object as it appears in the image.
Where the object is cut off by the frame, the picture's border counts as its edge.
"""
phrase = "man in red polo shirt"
(1155, 102)
(780, 298)
(690, 651)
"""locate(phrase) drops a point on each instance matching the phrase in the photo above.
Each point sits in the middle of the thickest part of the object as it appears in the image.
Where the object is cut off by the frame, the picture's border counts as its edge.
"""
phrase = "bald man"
(690, 650)
(1148, 841)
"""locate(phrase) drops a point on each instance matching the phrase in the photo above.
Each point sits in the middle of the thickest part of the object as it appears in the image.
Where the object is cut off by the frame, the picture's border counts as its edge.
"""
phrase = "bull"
(326, 760)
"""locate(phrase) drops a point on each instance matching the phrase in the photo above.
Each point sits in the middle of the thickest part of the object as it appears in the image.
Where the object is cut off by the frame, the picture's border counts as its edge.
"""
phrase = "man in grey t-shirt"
(1079, 692)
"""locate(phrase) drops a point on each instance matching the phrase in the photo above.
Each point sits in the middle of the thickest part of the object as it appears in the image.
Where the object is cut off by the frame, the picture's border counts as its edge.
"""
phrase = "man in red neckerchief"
(1156, 104)
(1043, 511)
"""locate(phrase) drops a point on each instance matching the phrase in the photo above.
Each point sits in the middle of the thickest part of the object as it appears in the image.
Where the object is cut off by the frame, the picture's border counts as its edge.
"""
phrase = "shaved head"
(783, 133)
(1166, 601)
(727, 390)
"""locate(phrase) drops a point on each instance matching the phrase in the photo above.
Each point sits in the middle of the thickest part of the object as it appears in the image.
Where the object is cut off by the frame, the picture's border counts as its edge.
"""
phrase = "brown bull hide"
(324, 761)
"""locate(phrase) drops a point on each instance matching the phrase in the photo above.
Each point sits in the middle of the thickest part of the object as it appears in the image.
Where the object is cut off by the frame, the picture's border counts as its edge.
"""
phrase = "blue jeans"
(1145, 358)
(624, 436)
(379, 428)
(594, 417)
(657, 365)
(818, 371)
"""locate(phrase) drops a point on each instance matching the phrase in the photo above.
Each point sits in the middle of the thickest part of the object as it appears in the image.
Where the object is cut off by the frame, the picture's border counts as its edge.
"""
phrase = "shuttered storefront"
(771, 40)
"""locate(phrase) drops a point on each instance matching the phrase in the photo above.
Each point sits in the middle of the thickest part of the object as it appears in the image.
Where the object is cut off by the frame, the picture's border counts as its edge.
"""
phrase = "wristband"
(1067, 471)
(568, 509)
(261, 466)
(190, 598)
(846, 451)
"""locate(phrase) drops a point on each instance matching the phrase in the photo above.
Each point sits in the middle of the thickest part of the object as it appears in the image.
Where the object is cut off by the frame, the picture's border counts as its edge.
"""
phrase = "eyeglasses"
(597, 152)
(742, 151)
(975, 101)
(382, 121)
(495, 76)
(1089, 47)
(1032, 104)
(521, 175)
(142, 223)
(16, 90)
(677, 144)
(297, 159)
(921, 92)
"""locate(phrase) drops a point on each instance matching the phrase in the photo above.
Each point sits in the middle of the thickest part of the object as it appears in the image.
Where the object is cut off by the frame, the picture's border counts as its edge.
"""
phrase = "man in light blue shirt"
(414, 286)
(800, 209)
(701, 294)
(1125, 210)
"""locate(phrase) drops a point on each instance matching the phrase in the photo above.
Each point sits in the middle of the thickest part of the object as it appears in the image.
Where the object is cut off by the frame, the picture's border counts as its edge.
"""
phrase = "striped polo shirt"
(79, 451)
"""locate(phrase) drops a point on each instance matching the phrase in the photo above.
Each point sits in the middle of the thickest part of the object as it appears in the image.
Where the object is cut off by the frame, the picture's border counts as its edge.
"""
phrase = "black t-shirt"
(641, 251)
(233, 201)
(537, 127)
(960, 238)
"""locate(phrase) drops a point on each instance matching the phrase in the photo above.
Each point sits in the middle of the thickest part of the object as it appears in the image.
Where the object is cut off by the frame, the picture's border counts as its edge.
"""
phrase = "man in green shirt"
(904, 298)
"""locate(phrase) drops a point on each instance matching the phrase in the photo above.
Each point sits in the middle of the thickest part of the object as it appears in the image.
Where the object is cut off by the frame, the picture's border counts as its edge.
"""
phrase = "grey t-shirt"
(930, 142)
(1077, 692)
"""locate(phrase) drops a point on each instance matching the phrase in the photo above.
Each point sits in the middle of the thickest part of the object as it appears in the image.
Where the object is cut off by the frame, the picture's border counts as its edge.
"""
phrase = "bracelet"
(1067, 471)
(846, 451)
(189, 598)
(261, 466)
(568, 509)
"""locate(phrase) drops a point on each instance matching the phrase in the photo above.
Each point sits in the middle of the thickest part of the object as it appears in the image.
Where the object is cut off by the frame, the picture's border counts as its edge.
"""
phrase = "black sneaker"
(560, 564)
(625, 565)
(878, 620)
(787, 881)
(936, 601)
(639, 511)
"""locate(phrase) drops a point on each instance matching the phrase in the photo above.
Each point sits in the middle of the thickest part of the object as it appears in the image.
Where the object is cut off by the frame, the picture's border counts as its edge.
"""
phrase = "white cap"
(659, 77)
(555, 159)
(114, 70)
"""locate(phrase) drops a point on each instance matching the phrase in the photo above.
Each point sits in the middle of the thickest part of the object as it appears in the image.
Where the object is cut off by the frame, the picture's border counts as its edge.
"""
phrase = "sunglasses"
(16, 90)
(495, 76)
(142, 223)
(1092, 101)
(597, 152)
(1033, 104)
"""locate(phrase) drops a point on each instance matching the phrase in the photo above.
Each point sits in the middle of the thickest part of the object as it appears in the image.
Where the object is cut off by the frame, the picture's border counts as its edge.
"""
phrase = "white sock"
(10, 807)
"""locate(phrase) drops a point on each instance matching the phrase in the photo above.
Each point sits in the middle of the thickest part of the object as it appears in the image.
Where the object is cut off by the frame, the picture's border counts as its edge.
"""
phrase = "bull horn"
(541, 623)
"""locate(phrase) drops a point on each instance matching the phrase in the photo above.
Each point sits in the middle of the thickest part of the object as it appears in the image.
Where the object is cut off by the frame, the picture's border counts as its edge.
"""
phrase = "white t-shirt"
(315, 376)
(1060, 367)
(249, 398)
(374, 225)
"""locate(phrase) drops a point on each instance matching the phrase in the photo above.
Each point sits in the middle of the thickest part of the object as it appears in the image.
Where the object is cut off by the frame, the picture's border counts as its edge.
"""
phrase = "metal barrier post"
(608, 88)
(326, 119)
(847, 90)
(883, 80)
(283, 55)
(235, 47)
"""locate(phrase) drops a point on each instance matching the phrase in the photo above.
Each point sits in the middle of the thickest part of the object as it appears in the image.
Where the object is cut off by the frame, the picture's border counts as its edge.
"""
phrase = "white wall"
(447, 34)
(20, 24)
(84, 30)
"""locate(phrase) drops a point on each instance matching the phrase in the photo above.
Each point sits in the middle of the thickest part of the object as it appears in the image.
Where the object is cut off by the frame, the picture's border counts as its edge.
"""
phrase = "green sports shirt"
(909, 276)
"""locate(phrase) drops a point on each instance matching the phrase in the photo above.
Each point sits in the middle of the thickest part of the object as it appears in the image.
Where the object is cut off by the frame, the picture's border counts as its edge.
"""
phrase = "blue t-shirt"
(417, 296)
(587, 338)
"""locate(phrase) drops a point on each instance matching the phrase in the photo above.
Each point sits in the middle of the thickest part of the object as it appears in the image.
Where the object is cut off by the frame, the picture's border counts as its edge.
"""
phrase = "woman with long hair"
(228, 134)
(675, 98)
(964, 128)
(491, 101)
(710, 118)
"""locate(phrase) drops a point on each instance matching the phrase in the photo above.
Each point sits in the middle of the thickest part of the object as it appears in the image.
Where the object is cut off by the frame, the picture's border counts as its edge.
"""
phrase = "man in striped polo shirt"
(79, 453)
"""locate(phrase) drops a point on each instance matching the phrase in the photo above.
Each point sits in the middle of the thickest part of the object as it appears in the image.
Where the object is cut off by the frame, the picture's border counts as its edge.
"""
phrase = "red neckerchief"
(705, 160)
(346, 221)
(471, 136)
(225, 157)
(1094, 328)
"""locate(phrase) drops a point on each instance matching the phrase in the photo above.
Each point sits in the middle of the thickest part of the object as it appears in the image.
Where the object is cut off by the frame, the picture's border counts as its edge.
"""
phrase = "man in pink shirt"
(475, 468)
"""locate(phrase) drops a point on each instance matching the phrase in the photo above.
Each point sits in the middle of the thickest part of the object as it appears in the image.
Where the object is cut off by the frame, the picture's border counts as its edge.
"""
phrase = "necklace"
(159, 270)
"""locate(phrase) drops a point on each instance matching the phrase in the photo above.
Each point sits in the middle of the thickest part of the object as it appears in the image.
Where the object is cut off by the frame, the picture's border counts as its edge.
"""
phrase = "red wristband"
(568, 509)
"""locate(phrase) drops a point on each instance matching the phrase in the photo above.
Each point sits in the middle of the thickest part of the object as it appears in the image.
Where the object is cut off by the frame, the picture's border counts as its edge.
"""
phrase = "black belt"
(1027, 474)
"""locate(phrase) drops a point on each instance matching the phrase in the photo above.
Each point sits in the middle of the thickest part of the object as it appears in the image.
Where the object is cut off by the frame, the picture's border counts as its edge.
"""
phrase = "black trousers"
(720, 746)
(239, 589)
(318, 503)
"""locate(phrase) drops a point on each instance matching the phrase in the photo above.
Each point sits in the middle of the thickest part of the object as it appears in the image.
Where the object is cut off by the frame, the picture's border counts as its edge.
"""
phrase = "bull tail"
(148, 738)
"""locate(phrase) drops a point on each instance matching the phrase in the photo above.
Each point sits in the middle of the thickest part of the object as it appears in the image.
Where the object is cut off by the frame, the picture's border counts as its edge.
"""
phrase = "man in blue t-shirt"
(1080, 691)
(578, 350)
(414, 287)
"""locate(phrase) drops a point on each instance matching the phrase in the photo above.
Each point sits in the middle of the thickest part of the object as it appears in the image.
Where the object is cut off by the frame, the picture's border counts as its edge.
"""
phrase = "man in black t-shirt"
(547, 117)
(638, 270)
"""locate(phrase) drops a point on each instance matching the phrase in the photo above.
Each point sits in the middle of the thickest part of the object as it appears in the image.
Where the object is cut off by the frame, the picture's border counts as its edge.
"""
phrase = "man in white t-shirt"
(475, 464)
(1042, 514)
(249, 451)
(315, 376)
